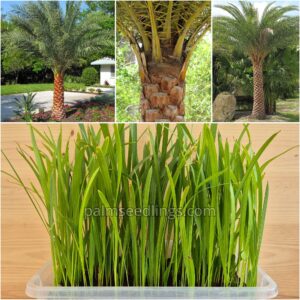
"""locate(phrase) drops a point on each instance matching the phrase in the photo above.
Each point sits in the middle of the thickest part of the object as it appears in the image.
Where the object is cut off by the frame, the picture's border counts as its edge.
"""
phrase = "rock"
(176, 95)
(149, 89)
(167, 83)
(132, 110)
(224, 107)
(152, 115)
(179, 119)
(171, 111)
(159, 100)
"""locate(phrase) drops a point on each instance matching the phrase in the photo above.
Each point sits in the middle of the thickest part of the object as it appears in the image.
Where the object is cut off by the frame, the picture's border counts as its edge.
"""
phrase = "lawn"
(36, 87)
(286, 111)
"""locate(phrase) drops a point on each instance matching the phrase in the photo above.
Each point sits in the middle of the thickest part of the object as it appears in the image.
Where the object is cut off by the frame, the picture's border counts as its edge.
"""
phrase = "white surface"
(42, 99)
(106, 75)
(41, 286)
(103, 61)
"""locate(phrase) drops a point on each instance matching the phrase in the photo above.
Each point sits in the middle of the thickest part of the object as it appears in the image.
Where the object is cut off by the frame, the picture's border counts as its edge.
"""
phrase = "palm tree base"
(58, 116)
(258, 116)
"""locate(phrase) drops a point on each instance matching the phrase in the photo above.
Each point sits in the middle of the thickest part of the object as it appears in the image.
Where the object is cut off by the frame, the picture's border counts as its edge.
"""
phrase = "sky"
(7, 6)
(259, 4)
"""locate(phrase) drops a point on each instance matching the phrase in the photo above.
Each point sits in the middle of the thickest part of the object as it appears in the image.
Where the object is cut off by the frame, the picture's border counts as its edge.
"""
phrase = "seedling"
(152, 232)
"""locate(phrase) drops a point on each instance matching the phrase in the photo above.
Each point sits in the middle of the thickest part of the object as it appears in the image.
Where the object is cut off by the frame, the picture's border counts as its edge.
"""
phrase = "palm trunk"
(258, 111)
(58, 110)
(162, 96)
(270, 105)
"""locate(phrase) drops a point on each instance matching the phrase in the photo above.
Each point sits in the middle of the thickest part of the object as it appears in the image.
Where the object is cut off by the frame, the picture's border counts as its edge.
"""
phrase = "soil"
(91, 111)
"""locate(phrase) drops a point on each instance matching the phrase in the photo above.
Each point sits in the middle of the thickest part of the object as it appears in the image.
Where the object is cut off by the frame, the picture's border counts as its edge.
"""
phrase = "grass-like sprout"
(124, 241)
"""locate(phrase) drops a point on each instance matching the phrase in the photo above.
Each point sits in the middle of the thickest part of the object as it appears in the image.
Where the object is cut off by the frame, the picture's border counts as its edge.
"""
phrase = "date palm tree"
(55, 34)
(256, 36)
(163, 35)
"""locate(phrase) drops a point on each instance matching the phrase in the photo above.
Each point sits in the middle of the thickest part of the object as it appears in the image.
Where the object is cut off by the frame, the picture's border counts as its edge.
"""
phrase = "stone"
(150, 89)
(132, 110)
(179, 119)
(171, 111)
(152, 115)
(159, 100)
(181, 109)
(224, 107)
(167, 83)
(176, 95)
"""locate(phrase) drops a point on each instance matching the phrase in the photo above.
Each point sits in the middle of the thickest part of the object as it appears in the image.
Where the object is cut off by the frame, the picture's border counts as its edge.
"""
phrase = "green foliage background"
(198, 84)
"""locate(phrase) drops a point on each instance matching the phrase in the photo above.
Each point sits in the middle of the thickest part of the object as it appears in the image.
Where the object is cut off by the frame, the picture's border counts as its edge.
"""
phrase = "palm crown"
(255, 35)
(48, 31)
(60, 36)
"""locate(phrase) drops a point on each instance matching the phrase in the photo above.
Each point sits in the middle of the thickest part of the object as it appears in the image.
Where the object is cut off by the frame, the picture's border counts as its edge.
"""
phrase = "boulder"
(224, 107)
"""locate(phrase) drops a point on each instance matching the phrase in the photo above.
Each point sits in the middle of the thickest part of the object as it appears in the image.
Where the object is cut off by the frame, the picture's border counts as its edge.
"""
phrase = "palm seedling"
(25, 107)
(163, 35)
(58, 35)
(174, 210)
(256, 36)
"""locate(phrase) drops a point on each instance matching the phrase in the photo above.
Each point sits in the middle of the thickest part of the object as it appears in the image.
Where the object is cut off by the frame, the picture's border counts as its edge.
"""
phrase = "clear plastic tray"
(41, 286)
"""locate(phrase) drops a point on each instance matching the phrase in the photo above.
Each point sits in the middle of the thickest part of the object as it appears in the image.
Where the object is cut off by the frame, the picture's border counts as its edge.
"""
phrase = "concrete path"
(42, 99)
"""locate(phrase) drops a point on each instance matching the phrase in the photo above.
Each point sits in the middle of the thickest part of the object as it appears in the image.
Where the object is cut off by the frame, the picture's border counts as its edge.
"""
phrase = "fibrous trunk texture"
(163, 94)
(163, 36)
(258, 111)
(58, 111)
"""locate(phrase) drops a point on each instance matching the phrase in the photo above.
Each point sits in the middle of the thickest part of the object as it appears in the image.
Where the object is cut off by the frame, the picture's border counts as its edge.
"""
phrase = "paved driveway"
(42, 99)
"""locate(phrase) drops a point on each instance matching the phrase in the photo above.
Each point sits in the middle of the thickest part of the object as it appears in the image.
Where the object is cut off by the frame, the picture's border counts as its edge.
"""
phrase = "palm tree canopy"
(47, 30)
(163, 28)
(253, 34)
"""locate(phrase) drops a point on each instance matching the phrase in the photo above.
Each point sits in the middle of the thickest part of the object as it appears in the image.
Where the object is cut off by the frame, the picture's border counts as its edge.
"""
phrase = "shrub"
(72, 79)
(89, 76)
(100, 218)
(25, 107)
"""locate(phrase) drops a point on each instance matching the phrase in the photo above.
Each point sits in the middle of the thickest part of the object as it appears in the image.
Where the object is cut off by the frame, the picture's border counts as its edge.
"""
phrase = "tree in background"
(163, 36)
(281, 77)
(107, 7)
(101, 14)
(59, 36)
(256, 36)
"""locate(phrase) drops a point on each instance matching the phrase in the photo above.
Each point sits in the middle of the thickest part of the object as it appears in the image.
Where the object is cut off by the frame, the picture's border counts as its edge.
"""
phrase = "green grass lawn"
(288, 109)
(35, 87)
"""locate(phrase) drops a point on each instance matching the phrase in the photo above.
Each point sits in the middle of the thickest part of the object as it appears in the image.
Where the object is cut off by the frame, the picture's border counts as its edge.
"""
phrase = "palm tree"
(256, 36)
(163, 35)
(55, 34)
